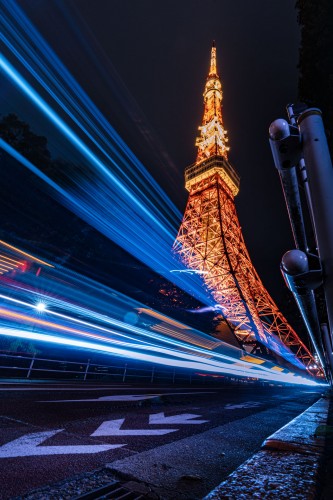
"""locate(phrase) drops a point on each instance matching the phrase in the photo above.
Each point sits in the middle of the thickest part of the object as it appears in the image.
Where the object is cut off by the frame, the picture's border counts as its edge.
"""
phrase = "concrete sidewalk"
(293, 463)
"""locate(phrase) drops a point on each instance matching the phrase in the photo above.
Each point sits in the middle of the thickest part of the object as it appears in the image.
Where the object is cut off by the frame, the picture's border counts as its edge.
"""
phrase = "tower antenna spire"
(212, 70)
(213, 139)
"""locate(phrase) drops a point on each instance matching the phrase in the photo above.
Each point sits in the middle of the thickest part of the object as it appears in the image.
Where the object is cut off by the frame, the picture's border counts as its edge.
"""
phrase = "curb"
(286, 467)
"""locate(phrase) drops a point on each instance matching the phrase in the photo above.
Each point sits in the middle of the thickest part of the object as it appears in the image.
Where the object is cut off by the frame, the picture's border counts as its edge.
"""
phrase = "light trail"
(129, 328)
(115, 194)
(151, 358)
(83, 289)
(82, 313)
(33, 52)
(21, 252)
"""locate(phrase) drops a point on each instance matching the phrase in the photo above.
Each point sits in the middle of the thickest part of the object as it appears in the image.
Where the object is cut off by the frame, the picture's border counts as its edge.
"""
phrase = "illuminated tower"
(210, 238)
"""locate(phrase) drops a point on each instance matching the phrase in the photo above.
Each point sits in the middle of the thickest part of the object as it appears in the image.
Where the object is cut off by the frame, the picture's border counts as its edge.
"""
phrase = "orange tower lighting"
(210, 239)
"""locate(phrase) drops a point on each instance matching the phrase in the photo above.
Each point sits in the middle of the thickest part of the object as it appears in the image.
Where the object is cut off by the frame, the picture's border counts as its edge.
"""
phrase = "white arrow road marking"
(183, 418)
(27, 445)
(125, 397)
(112, 428)
(249, 404)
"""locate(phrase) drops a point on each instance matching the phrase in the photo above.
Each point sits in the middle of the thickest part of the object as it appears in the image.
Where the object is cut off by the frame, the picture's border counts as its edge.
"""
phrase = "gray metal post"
(125, 371)
(86, 370)
(295, 271)
(320, 174)
(31, 366)
(328, 350)
(305, 182)
(293, 202)
(286, 150)
(304, 176)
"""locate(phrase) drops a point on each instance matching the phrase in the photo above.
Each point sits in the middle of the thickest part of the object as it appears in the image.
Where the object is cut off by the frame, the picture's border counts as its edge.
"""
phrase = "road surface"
(181, 441)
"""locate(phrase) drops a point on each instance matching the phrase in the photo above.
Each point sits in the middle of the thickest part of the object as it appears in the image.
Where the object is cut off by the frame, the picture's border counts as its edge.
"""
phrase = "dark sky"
(144, 63)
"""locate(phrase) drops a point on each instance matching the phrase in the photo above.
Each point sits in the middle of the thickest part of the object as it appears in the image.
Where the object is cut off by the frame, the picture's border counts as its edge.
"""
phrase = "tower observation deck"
(210, 240)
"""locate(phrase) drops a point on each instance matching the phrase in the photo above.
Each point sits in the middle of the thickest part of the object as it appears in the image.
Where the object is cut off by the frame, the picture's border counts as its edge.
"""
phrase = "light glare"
(40, 306)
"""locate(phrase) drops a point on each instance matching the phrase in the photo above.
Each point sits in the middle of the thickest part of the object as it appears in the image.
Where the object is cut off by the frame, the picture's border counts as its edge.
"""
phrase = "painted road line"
(126, 397)
(73, 387)
(183, 418)
(129, 397)
(60, 388)
(113, 428)
(248, 404)
(27, 445)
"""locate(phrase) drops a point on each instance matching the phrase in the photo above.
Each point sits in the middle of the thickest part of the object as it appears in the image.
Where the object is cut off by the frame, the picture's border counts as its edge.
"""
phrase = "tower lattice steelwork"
(210, 238)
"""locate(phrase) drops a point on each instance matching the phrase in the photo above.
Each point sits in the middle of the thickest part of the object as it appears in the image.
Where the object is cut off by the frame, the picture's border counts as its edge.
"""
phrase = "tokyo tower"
(210, 240)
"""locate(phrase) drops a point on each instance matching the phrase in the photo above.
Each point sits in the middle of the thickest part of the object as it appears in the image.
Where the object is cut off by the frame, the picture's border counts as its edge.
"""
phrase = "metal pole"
(295, 271)
(293, 114)
(86, 371)
(286, 150)
(328, 349)
(31, 365)
(125, 371)
(305, 182)
(320, 174)
(292, 198)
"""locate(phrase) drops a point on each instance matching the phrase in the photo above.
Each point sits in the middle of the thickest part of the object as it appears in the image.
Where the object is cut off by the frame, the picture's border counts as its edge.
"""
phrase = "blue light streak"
(32, 51)
(136, 333)
(45, 108)
(83, 313)
(151, 358)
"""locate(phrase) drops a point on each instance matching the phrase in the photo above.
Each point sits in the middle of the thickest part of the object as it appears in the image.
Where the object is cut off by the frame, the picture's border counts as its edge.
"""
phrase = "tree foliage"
(18, 134)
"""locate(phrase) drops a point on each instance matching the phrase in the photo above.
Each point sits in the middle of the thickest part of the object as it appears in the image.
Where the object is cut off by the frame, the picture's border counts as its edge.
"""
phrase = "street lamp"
(40, 306)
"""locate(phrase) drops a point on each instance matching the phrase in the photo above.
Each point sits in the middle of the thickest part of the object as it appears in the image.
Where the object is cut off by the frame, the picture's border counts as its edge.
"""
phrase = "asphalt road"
(181, 441)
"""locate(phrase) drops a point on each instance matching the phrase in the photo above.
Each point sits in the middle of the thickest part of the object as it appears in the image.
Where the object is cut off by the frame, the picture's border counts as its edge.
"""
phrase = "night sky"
(144, 64)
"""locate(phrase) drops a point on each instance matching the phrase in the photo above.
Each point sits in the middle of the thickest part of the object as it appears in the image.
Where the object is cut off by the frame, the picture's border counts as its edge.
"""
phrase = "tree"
(18, 134)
